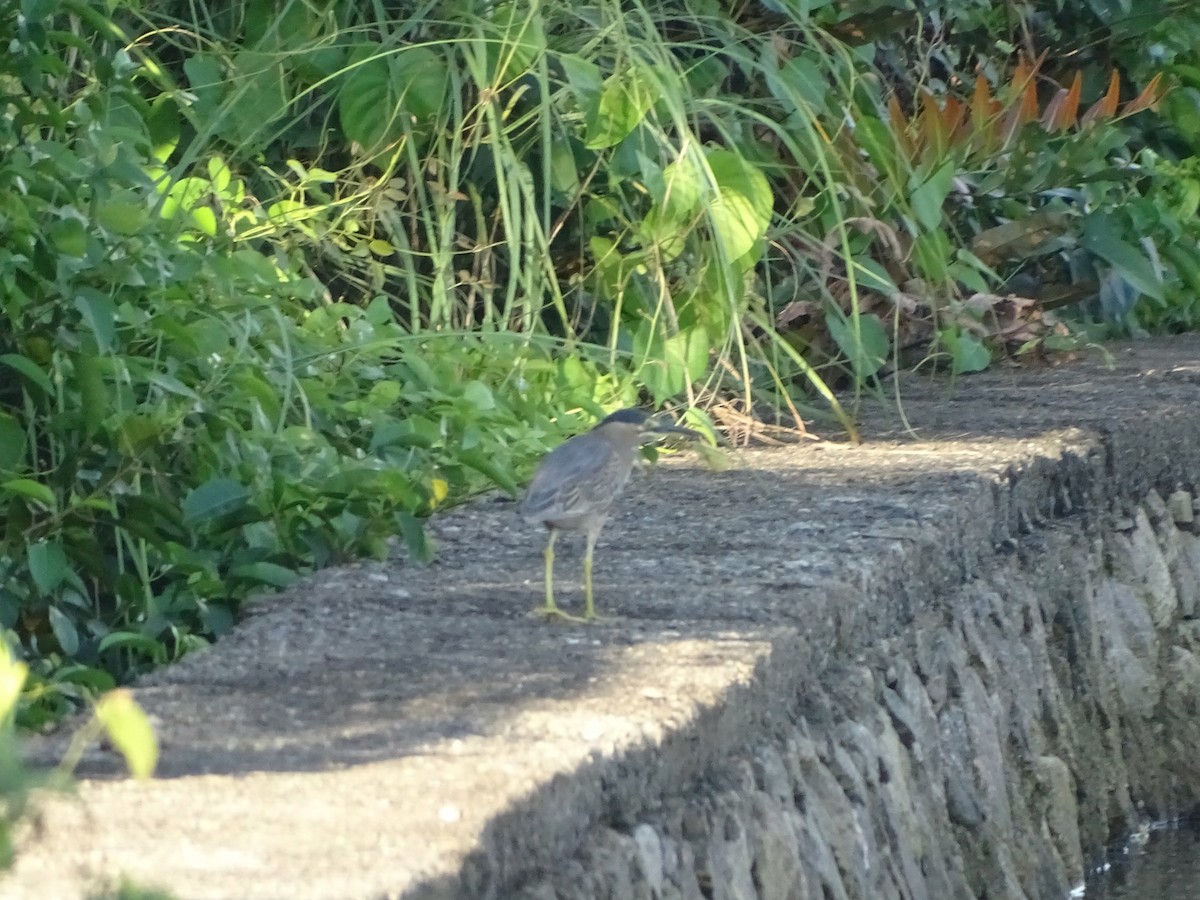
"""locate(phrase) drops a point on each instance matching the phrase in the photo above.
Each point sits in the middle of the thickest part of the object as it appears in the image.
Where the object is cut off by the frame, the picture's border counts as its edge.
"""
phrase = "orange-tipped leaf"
(1106, 106)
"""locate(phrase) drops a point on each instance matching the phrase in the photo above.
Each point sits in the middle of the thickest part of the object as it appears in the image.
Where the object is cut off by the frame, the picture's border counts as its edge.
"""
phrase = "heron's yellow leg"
(550, 610)
(589, 606)
(551, 606)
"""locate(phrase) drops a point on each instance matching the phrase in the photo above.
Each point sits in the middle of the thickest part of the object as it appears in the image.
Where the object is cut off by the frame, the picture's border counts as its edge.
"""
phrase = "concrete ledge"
(937, 666)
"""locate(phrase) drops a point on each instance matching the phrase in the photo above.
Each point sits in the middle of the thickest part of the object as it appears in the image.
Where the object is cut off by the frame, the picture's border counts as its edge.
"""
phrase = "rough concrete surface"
(951, 663)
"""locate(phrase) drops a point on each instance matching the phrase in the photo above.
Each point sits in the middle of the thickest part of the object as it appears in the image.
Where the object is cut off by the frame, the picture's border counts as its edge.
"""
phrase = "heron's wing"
(575, 478)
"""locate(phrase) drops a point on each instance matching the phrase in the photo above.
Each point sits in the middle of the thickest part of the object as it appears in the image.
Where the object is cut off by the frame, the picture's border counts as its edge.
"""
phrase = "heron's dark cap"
(628, 416)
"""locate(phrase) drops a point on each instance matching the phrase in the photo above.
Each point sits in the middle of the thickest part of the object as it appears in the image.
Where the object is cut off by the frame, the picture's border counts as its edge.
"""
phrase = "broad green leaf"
(219, 174)
(125, 213)
(517, 43)
(129, 730)
(206, 80)
(625, 98)
(31, 490)
(69, 237)
(64, 631)
(93, 393)
(741, 211)
(32, 371)
(866, 347)
(927, 193)
(415, 537)
(932, 252)
(265, 573)
(481, 462)
(137, 431)
(420, 78)
(100, 313)
(184, 196)
(800, 77)
(871, 275)
(216, 497)
(1102, 237)
(131, 640)
(479, 395)
(382, 88)
(967, 353)
(12, 444)
(564, 171)
(204, 219)
(47, 565)
(257, 97)
(876, 138)
(586, 81)
(675, 213)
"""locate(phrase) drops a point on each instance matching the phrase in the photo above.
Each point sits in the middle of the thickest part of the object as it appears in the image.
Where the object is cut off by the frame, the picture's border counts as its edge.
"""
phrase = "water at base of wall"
(1159, 862)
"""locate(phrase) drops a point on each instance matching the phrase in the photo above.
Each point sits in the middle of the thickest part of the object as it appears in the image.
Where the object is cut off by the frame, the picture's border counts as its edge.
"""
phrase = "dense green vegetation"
(280, 277)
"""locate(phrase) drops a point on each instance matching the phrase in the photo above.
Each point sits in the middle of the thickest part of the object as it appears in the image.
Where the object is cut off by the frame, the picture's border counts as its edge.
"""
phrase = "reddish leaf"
(1106, 106)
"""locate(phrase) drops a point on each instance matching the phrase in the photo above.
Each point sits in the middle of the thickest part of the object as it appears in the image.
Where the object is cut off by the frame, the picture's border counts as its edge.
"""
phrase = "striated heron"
(575, 486)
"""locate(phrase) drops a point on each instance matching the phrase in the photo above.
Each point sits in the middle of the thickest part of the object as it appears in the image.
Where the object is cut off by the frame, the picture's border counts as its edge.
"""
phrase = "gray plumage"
(576, 484)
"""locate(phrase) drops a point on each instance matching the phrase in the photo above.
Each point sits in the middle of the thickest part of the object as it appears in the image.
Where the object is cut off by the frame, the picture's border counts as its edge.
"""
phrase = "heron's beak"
(656, 426)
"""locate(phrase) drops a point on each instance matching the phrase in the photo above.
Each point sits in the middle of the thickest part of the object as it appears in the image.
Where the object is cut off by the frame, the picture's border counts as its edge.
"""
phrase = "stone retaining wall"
(981, 754)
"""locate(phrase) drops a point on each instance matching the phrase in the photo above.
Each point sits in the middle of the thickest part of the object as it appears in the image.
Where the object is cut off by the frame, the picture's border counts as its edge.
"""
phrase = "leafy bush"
(185, 420)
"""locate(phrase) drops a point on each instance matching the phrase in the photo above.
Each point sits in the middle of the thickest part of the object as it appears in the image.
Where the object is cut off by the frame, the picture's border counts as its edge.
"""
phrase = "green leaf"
(93, 393)
(927, 194)
(967, 352)
(415, 538)
(564, 170)
(31, 490)
(47, 565)
(131, 640)
(741, 211)
(479, 395)
(875, 137)
(869, 274)
(585, 79)
(932, 252)
(184, 196)
(258, 96)
(124, 213)
(382, 88)
(69, 237)
(265, 573)
(420, 76)
(481, 462)
(32, 371)
(215, 498)
(12, 444)
(518, 41)
(129, 731)
(800, 78)
(625, 98)
(1101, 236)
(206, 80)
(100, 313)
(866, 347)
(64, 631)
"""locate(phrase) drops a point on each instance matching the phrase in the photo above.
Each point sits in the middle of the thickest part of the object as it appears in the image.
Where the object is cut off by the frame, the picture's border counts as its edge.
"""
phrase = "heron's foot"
(554, 614)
